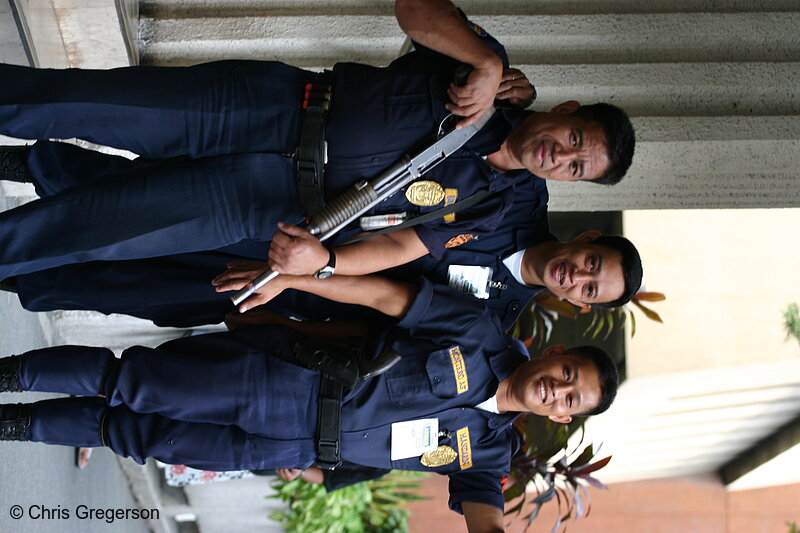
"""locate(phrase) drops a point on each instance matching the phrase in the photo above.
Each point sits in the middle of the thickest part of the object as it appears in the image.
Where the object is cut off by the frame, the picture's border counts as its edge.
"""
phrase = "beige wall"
(728, 276)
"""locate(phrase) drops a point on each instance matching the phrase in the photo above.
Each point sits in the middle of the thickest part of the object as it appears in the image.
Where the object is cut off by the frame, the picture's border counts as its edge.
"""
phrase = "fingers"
(259, 298)
(512, 74)
(295, 251)
(475, 97)
(231, 285)
(292, 230)
(240, 272)
(288, 474)
(467, 102)
(516, 89)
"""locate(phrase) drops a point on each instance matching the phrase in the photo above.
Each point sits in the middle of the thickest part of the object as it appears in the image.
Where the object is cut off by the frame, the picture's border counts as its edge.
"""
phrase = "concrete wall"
(12, 49)
(74, 33)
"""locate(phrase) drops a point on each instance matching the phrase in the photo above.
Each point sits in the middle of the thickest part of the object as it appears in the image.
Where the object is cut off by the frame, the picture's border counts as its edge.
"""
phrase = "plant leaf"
(649, 313)
(531, 517)
(594, 482)
(516, 509)
(545, 496)
(601, 319)
(563, 308)
(589, 468)
(583, 458)
(514, 491)
(649, 296)
(556, 525)
(527, 342)
(633, 324)
(610, 317)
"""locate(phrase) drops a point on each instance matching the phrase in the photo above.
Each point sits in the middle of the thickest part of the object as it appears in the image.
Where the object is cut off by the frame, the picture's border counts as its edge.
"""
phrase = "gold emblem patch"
(425, 193)
(450, 197)
(443, 455)
(460, 371)
(480, 32)
(464, 448)
(458, 240)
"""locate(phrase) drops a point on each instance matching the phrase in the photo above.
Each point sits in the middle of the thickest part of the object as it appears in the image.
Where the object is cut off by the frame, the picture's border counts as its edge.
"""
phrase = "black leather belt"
(310, 153)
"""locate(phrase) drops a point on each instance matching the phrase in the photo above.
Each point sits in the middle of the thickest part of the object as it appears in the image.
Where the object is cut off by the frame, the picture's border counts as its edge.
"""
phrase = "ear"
(556, 349)
(561, 419)
(587, 236)
(570, 106)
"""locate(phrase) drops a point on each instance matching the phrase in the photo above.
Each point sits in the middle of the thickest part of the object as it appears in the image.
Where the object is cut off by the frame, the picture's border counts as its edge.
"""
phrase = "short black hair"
(631, 267)
(606, 371)
(620, 137)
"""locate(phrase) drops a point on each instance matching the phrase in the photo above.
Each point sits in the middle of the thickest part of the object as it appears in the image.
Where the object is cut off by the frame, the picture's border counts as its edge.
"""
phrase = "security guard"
(175, 290)
(239, 124)
(446, 407)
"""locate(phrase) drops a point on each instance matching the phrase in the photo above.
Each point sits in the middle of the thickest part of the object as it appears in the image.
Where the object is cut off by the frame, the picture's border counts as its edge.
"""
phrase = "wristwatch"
(328, 270)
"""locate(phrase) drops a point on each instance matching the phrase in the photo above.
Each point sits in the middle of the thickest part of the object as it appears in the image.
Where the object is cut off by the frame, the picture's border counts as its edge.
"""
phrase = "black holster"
(341, 366)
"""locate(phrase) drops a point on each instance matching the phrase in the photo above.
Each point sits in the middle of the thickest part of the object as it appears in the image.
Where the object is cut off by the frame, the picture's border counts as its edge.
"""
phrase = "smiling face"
(585, 274)
(558, 386)
(560, 145)
(579, 271)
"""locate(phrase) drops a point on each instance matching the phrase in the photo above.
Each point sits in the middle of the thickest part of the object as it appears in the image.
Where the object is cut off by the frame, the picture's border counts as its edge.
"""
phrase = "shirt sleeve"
(471, 223)
(479, 487)
(484, 36)
(441, 314)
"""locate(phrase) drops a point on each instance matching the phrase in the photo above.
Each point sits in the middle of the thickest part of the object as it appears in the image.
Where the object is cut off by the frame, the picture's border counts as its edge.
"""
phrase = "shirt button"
(374, 159)
(365, 435)
(515, 306)
(437, 379)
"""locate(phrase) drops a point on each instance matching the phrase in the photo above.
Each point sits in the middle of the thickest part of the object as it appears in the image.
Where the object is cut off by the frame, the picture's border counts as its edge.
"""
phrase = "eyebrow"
(580, 143)
(597, 271)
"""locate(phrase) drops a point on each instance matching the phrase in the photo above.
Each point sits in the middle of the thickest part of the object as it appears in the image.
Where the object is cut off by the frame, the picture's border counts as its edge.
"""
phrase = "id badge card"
(414, 437)
(471, 279)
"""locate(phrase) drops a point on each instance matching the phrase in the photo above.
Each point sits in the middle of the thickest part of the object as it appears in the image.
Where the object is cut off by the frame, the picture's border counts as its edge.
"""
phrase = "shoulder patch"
(458, 240)
(480, 32)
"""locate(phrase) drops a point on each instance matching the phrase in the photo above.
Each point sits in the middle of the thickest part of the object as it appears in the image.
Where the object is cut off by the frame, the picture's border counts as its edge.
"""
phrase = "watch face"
(324, 273)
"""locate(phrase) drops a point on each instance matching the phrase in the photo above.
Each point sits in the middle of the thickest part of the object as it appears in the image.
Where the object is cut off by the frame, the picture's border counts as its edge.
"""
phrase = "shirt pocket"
(447, 372)
(408, 103)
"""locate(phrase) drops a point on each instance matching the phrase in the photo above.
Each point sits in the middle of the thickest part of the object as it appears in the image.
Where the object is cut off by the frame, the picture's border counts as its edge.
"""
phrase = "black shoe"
(9, 374)
(12, 164)
(15, 421)
(9, 284)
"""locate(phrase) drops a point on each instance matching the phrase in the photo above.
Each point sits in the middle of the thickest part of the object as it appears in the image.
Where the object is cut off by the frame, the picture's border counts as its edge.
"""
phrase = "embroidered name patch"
(460, 371)
(458, 240)
(464, 448)
(450, 197)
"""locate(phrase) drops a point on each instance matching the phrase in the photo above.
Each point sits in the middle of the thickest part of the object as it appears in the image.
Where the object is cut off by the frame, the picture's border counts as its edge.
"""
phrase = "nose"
(563, 153)
(581, 275)
(560, 388)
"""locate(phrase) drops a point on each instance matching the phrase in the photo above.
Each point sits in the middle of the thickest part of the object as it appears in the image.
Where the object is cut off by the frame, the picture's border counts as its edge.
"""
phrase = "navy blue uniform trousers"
(216, 402)
(176, 291)
(227, 124)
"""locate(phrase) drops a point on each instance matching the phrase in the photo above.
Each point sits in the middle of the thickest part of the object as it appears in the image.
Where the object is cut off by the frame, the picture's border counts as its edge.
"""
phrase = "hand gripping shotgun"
(365, 194)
